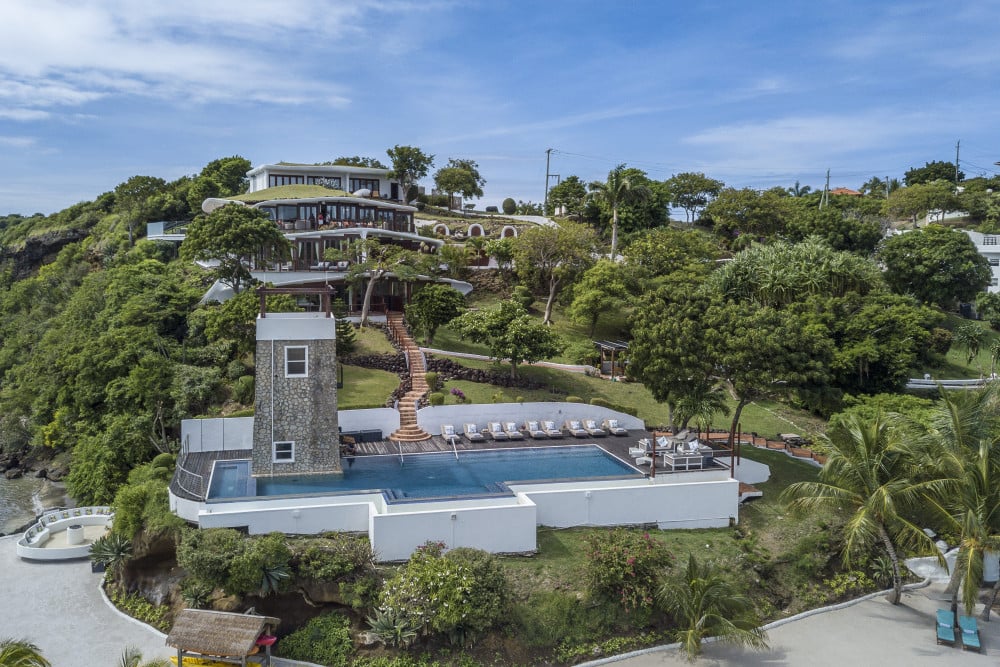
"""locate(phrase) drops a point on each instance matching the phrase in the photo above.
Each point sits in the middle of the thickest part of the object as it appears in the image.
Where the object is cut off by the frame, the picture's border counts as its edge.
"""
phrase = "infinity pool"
(475, 472)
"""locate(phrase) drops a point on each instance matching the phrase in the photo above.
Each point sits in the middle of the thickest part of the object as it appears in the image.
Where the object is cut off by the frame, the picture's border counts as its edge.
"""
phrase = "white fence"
(431, 418)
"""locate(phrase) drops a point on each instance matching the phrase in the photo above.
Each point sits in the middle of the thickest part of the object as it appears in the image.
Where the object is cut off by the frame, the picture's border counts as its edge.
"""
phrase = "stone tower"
(295, 409)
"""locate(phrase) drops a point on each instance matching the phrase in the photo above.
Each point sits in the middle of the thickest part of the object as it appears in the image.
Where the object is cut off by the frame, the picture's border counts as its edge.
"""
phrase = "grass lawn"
(957, 366)
(372, 340)
(365, 388)
(766, 418)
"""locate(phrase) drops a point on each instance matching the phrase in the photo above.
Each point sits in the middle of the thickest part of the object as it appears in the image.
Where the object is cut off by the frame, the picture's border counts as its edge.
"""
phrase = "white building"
(988, 245)
(340, 177)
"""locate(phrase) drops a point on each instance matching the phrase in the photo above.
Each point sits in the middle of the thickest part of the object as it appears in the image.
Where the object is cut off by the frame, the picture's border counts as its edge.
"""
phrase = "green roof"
(289, 192)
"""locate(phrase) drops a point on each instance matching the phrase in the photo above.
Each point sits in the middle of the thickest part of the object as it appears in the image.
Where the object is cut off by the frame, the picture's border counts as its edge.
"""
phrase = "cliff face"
(38, 250)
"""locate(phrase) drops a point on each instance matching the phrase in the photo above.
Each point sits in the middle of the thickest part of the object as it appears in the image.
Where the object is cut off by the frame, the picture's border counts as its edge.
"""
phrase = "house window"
(989, 240)
(283, 452)
(364, 184)
(994, 282)
(325, 181)
(274, 181)
(296, 362)
(994, 261)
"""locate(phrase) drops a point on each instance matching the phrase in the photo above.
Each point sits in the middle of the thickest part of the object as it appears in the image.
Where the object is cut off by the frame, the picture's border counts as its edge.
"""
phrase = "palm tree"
(867, 472)
(617, 190)
(970, 336)
(705, 604)
(799, 190)
(132, 657)
(962, 450)
(21, 653)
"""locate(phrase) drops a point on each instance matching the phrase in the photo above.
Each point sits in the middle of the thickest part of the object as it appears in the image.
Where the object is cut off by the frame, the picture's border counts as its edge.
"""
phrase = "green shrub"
(574, 399)
(206, 554)
(325, 640)
(582, 352)
(195, 592)
(432, 380)
(243, 390)
(627, 409)
(436, 398)
(166, 460)
(459, 596)
(339, 557)
(139, 607)
(523, 296)
(237, 369)
(224, 558)
(600, 402)
(624, 567)
(509, 206)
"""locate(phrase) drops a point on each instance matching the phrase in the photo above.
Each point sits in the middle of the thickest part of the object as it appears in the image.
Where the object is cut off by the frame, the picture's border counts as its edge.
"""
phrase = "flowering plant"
(458, 394)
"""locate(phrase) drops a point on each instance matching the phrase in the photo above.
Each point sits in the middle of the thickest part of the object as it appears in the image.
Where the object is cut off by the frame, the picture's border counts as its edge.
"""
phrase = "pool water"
(436, 475)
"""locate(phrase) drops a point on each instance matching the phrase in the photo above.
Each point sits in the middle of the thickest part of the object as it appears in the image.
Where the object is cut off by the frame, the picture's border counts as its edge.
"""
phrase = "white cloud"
(23, 114)
(17, 142)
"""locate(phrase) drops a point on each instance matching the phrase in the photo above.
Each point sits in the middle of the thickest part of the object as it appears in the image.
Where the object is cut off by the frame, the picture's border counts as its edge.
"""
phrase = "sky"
(93, 92)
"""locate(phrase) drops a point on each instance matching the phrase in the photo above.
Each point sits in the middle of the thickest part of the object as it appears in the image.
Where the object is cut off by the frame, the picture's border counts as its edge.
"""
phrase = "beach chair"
(970, 633)
(510, 428)
(495, 429)
(592, 429)
(613, 427)
(550, 429)
(448, 432)
(535, 430)
(575, 428)
(945, 627)
(472, 433)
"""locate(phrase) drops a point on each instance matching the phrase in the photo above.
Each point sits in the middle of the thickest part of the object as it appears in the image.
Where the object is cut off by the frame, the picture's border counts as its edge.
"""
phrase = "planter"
(774, 444)
(801, 452)
(819, 458)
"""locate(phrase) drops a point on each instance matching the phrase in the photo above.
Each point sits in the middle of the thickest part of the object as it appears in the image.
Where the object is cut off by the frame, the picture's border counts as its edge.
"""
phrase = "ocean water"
(21, 499)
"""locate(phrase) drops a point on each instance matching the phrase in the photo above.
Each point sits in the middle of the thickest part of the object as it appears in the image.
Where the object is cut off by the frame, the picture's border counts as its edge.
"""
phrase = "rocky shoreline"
(49, 494)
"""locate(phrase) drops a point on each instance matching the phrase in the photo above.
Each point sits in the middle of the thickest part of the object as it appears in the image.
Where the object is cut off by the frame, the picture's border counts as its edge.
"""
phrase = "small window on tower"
(284, 452)
(296, 362)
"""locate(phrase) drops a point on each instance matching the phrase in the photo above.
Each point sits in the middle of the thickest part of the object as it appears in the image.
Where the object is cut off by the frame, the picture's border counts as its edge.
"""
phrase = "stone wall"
(304, 409)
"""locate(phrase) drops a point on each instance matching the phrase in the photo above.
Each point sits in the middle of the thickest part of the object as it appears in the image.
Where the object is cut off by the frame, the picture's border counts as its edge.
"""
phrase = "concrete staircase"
(408, 431)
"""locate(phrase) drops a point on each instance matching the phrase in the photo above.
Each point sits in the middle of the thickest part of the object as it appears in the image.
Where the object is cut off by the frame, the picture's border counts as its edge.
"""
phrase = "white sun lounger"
(495, 429)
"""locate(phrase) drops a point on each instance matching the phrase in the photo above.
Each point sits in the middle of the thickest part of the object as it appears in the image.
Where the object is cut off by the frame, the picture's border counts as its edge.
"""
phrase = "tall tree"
(510, 333)
(134, 200)
(357, 161)
(935, 264)
(867, 471)
(614, 192)
(932, 171)
(409, 165)
(798, 190)
(230, 173)
(460, 176)
(234, 236)
(602, 290)
(756, 215)
(432, 306)
(570, 195)
(553, 257)
(704, 603)
(916, 200)
(692, 191)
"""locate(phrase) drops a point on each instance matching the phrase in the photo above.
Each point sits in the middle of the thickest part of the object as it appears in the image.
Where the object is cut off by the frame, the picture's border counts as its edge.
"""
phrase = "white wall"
(370, 419)
(503, 529)
(671, 504)
(305, 516)
(431, 418)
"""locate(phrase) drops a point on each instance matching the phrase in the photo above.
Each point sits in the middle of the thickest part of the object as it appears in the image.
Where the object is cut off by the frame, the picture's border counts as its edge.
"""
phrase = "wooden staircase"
(408, 431)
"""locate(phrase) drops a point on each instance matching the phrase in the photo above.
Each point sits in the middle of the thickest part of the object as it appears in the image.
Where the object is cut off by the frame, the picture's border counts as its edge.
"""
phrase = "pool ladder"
(454, 447)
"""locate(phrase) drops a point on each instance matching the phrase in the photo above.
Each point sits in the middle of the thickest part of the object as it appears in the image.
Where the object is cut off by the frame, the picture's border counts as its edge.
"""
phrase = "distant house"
(988, 245)
(845, 191)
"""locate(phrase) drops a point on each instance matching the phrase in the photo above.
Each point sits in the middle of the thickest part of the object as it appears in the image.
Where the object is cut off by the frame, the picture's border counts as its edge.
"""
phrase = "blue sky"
(754, 94)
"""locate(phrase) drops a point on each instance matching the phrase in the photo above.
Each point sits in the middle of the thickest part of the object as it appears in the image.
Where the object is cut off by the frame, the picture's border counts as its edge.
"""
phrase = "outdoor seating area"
(575, 428)
(968, 630)
(614, 428)
(241, 639)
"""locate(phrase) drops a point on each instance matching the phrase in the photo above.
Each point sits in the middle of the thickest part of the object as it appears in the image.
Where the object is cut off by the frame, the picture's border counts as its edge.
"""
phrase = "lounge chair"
(641, 450)
(510, 428)
(535, 430)
(495, 429)
(472, 433)
(592, 429)
(448, 432)
(612, 427)
(945, 627)
(550, 429)
(575, 428)
(970, 633)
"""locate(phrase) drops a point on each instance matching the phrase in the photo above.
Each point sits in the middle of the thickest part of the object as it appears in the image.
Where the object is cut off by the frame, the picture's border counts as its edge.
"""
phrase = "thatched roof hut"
(220, 634)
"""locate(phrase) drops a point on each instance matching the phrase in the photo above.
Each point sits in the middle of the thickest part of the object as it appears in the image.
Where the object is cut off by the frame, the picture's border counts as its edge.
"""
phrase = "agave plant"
(21, 653)
(273, 577)
(392, 628)
(113, 551)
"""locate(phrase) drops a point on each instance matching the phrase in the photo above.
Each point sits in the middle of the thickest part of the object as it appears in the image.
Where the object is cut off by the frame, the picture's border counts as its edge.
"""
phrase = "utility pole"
(957, 144)
(545, 204)
(825, 199)
(887, 187)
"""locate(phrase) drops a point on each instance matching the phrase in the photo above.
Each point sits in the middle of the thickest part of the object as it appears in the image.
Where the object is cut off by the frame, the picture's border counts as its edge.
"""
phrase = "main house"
(308, 203)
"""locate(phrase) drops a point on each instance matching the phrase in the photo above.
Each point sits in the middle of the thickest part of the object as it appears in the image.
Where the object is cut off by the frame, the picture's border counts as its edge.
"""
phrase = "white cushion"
(612, 423)
(449, 430)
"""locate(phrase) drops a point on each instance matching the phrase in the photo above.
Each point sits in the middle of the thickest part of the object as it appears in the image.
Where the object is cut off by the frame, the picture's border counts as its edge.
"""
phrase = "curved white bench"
(31, 545)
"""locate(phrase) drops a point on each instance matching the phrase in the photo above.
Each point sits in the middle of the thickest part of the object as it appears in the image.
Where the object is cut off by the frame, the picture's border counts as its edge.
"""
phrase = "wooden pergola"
(222, 637)
(612, 356)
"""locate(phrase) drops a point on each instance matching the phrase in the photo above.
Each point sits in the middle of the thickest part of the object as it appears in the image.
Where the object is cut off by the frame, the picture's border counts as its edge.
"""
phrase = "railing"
(190, 482)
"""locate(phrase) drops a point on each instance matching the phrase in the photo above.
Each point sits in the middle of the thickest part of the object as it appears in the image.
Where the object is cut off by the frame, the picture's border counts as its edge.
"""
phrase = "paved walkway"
(59, 607)
(872, 632)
